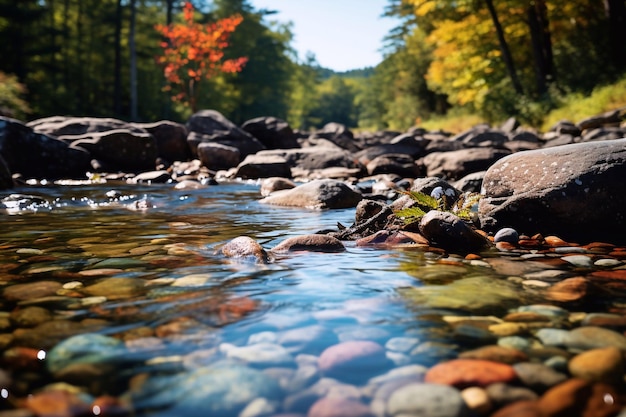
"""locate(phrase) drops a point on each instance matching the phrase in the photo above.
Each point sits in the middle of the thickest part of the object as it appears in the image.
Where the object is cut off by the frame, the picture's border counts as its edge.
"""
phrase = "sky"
(343, 34)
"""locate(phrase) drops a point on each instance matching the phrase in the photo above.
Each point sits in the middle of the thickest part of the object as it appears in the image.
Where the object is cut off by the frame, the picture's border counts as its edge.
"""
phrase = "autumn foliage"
(193, 52)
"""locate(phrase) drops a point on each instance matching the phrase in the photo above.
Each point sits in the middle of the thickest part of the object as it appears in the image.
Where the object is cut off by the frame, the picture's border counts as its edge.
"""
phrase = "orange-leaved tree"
(193, 52)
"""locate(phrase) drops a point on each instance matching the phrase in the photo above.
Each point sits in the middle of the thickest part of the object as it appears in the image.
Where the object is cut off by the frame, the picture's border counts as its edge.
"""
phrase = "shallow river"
(121, 290)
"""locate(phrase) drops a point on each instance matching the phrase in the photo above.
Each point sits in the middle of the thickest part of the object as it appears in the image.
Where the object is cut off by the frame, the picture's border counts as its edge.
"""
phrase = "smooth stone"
(506, 234)
(579, 260)
(545, 310)
(501, 393)
(339, 407)
(30, 316)
(352, 359)
(224, 389)
(548, 275)
(57, 403)
(607, 262)
(317, 195)
(307, 339)
(22, 292)
(118, 263)
(263, 337)
(583, 398)
(259, 407)
(427, 400)
(515, 342)
(245, 248)
(495, 353)
(477, 400)
(599, 365)
(402, 344)
(508, 329)
(362, 332)
(569, 290)
(569, 249)
(88, 348)
(522, 408)
(193, 280)
(260, 354)
(117, 288)
(537, 376)
(605, 320)
(552, 337)
(591, 337)
(269, 185)
(463, 373)
(310, 243)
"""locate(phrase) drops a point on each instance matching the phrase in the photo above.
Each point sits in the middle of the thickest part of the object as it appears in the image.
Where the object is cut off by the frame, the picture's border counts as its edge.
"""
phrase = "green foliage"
(11, 92)
(464, 207)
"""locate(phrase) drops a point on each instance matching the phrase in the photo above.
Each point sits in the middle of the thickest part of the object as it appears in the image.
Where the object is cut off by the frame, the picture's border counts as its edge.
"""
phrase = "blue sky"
(343, 34)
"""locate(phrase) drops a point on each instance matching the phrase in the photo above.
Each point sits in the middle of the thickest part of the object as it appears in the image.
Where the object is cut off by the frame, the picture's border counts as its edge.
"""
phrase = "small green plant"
(465, 207)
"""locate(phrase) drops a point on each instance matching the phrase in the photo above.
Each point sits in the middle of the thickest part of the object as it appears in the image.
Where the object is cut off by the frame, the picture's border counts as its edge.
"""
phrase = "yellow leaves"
(423, 7)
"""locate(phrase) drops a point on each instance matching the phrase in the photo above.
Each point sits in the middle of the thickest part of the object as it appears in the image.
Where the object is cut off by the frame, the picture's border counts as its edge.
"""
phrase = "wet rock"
(399, 164)
(496, 354)
(272, 132)
(37, 155)
(449, 232)
(427, 400)
(501, 393)
(245, 248)
(591, 337)
(318, 157)
(269, 185)
(520, 409)
(57, 403)
(580, 397)
(170, 139)
(477, 400)
(338, 134)
(219, 390)
(339, 407)
(310, 243)
(454, 165)
(212, 126)
(574, 191)
(259, 354)
(30, 316)
(263, 166)
(506, 234)
(308, 339)
(152, 177)
(88, 348)
(352, 359)
(537, 376)
(599, 365)
(570, 290)
(463, 373)
(117, 288)
(22, 292)
(216, 156)
(319, 194)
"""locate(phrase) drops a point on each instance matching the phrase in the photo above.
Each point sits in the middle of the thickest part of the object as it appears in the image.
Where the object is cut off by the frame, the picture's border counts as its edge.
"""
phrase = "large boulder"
(263, 166)
(120, 149)
(455, 165)
(319, 194)
(36, 155)
(575, 191)
(273, 133)
(340, 135)
(170, 139)
(70, 126)
(212, 126)
(6, 180)
(316, 157)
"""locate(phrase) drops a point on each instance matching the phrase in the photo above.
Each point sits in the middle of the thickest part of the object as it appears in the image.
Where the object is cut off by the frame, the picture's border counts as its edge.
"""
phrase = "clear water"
(161, 235)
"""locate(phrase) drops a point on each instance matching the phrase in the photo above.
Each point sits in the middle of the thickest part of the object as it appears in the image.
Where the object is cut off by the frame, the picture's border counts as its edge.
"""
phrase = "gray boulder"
(36, 155)
(216, 156)
(574, 191)
(319, 194)
(212, 126)
(170, 139)
(454, 165)
(273, 133)
(70, 126)
(263, 166)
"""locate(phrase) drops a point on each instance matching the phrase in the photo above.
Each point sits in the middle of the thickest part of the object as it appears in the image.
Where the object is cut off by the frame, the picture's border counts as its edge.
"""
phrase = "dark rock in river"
(212, 126)
(244, 247)
(319, 194)
(273, 133)
(216, 156)
(6, 180)
(447, 231)
(310, 243)
(454, 165)
(73, 126)
(572, 191)
(263, 166)
(170, 139)
(340, 135)
(36, 155)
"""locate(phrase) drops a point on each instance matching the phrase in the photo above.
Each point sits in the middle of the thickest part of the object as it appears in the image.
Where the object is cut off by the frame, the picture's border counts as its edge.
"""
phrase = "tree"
(193, 52)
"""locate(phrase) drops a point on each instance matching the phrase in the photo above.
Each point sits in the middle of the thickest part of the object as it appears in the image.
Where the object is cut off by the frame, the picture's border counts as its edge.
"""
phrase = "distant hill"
(326, 73)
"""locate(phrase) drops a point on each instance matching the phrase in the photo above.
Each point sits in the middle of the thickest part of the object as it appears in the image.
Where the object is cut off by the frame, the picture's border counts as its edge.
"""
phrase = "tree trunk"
(117, 93)
(504, 48)
(133, 61)
(541, 45)
(616, 13)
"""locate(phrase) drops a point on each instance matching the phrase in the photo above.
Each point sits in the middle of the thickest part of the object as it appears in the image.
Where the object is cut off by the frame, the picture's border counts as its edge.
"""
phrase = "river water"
(142, 302)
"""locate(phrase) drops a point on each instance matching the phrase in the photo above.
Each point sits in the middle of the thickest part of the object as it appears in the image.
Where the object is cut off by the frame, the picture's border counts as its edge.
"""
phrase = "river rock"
(339, 407)
(33, 290)
(263, 166)
(591, 337)
(318, 157)
(427, 400)
(6, 179)
(119, 149)
(599, 365)
(170, 139)
(74, 126)
(216, 156)
(399, 164)
(88, 348)
(117, 288)
(272, 132)
(463, 373)
(352, 359)
(244, 247)
(269, 185)
(318, 195)
(310, 243)
(447, 231)
(455, 165)
(37, 155)
(219, 390)
(537, 376)
(573, 191)
(338, 134)
(259, 354)
(212, 126)
(583, 398)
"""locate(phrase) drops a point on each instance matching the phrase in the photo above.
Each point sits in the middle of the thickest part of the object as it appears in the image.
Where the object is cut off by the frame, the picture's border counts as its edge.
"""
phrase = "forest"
(495, 59)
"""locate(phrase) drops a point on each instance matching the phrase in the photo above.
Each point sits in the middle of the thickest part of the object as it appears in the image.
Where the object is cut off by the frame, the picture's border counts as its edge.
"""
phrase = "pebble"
(427, 400)
(537, 376)
(495, 353)
(117, 288)
(352, 359)
(599, 365)
(477, 400)
(463, 373)
(591, 337)
(579, 260)
(608, 262)
(57, 403)
(501, 393)
(339, 407)
(616, 321)
(30, 316)
(22, 292)
(580, 397)
(506, 234)
(245, 248)
(310, 243)
(515, 342)
(259, 354)
(569, 290)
